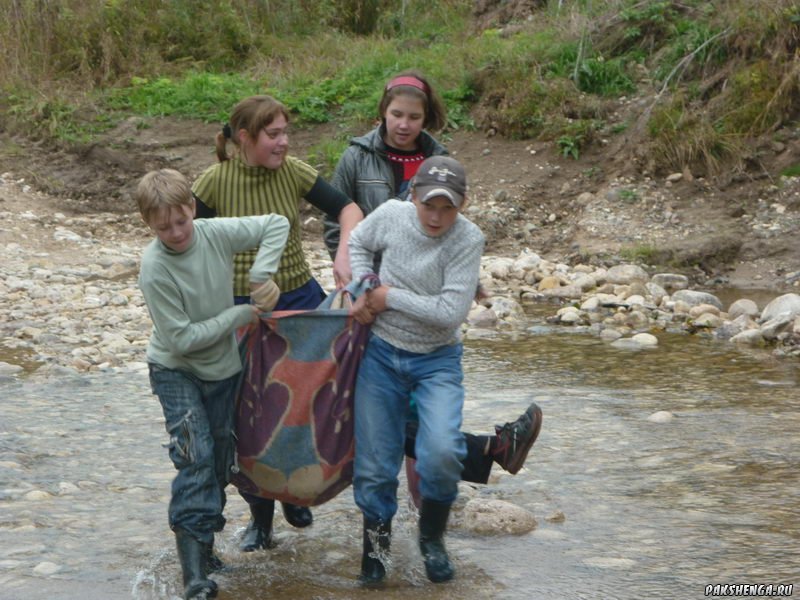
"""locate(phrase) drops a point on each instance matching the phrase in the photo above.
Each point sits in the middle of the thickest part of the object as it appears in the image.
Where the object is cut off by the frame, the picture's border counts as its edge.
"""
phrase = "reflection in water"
(655, 508)
(651, 509)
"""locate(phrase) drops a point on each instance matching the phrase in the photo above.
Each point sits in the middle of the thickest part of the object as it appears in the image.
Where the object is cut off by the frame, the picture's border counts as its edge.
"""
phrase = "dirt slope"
(601, 208)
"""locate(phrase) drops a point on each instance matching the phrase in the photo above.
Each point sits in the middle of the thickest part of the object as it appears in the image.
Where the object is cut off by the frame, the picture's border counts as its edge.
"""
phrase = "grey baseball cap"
(441, 176)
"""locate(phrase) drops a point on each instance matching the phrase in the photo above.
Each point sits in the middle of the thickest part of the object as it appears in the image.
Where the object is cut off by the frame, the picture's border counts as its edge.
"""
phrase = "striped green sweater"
(234, 189)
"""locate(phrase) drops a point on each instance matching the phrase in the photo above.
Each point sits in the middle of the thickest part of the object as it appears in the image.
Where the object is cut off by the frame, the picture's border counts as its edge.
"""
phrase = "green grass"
(793, 171)
(199, 95)
(725, 73)
(640, 254)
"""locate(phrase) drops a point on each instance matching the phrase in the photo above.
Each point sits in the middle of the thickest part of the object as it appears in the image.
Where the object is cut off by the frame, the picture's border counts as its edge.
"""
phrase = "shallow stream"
(650, 509)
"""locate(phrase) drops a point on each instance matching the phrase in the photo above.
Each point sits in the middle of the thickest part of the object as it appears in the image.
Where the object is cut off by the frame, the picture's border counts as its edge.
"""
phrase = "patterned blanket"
(294, 414)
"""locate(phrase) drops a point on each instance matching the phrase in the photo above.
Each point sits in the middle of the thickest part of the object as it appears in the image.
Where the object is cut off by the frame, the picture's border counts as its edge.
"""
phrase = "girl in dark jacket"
(374, 168)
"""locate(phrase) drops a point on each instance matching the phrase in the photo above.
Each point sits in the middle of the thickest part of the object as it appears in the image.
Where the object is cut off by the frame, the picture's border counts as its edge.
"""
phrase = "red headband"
(408, 80)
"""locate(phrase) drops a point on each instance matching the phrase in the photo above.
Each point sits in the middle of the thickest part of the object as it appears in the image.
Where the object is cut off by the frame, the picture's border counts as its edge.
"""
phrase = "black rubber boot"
(432, 525)
(192, 554)
(258, 535)
(297, 516)
(214, 563)
(377, 539)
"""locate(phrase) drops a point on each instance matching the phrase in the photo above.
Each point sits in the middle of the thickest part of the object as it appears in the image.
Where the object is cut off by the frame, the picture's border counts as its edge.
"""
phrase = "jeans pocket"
(180, 443)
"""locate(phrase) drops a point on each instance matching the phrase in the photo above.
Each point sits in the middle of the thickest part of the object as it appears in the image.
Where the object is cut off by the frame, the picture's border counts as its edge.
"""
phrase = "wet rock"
(627, 344)
(749, 337)
(487, 517)
(734, 327)
(556, 517)
(645, 339)
(38, 495)
(7, 369)
(610, 334)
(772, 329)
(46, 568)
(661, 416)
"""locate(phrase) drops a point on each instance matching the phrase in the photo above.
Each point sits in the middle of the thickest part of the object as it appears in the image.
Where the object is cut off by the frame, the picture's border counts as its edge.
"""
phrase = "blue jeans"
(387, 377)
(199, 420)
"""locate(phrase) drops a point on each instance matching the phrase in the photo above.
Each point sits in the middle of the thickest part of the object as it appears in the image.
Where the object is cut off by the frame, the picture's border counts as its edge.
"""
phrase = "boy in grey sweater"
(429, 273)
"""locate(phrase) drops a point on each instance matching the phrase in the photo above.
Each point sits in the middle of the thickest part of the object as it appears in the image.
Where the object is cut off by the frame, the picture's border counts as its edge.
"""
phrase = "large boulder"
(788, 303)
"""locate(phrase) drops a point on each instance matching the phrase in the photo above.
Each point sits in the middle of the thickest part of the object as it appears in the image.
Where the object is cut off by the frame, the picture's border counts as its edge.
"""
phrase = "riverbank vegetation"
(707, 78)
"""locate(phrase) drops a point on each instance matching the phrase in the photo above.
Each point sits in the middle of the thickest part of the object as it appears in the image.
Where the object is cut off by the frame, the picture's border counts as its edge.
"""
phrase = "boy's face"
(174, 226)
(437, 215)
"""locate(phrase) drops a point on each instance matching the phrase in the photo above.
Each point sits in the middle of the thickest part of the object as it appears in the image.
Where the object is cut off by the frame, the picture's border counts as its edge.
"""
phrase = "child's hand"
(264, 295)
(376, 299)
(361, 312)
(341, 270)
(256, 314)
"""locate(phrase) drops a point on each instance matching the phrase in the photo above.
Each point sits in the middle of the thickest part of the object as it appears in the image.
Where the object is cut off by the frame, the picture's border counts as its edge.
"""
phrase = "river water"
(627, 508)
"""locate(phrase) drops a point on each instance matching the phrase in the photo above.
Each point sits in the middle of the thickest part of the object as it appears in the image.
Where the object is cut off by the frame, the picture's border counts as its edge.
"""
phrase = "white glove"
(264, 296)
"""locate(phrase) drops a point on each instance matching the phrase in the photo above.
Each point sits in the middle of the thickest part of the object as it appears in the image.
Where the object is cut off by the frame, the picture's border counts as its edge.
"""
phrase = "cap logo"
(441, 173)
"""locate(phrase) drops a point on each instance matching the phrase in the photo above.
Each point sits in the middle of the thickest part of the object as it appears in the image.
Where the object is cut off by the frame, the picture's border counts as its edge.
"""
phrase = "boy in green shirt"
(186, 278)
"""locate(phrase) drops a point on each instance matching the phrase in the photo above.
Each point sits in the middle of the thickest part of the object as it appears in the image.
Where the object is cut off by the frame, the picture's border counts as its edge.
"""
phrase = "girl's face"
(269, 149)
(404, 118)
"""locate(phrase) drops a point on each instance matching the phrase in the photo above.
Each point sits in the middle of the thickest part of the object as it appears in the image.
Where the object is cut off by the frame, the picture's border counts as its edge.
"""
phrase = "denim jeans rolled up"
(387, 377)
(199, 421)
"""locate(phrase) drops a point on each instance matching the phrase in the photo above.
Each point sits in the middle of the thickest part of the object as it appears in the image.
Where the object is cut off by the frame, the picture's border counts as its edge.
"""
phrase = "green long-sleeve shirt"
(190, 298)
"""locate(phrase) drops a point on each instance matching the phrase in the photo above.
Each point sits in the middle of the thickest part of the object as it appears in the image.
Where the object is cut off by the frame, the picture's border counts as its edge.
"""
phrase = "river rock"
(548, 283)
(506, 308)
(36, 495)
(497, 517)
(695, 298)
(7, 369)
(749, 337)
(567, 292)
(773, 328)
(610, 334)
(481, 316)
(661, 416)
(46, 568)
(645, 339)
(527, 261)
(707, 319)
(700, 309)
(626, 274)
(627, 344)
(569, 315)
(788, 303)
(671, 282)
(656, 292)
(734, 327)
(743, 306)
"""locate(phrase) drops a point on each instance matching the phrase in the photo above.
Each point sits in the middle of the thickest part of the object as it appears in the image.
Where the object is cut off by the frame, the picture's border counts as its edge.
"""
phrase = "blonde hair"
(157, 190)
(251, 114)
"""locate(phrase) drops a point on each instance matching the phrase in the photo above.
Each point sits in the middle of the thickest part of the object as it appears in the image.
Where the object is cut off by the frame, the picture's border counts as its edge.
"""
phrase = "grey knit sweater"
(432, 279)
